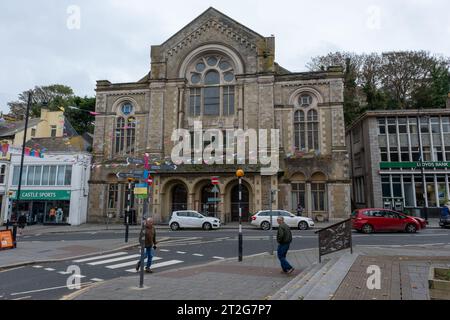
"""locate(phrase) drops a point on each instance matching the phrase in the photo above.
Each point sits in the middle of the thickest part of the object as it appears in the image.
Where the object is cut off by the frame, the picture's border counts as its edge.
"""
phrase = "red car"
(379, 220)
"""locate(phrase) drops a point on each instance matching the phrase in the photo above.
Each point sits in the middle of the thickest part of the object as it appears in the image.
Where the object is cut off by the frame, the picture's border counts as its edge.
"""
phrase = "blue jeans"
(282, 252)
(149, 255)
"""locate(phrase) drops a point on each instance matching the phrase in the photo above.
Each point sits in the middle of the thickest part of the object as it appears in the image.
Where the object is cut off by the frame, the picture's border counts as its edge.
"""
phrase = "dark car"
(445, 217)
(383, 220)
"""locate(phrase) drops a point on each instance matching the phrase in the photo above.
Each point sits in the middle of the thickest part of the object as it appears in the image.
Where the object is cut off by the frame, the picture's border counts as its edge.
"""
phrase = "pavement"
(404, 276)
(91, 227)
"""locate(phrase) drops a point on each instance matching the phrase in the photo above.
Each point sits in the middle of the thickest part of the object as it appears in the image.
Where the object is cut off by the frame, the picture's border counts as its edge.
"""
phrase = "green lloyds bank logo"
(413, 165)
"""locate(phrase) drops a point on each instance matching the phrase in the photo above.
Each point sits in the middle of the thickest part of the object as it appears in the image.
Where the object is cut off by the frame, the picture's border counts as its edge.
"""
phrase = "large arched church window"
(306, 126)
(211, 87)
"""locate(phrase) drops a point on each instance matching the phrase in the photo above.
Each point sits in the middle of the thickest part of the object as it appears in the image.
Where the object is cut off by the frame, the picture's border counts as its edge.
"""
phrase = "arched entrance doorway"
(207, 207)
(245, 203)
(179, 198)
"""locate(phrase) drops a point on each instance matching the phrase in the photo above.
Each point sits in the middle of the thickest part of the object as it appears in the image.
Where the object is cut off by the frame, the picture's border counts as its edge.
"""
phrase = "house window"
(113, 196)
(33, 132)
(298, 195)
(2, 173)
(53, 131)
(212, 87)
(318, 196)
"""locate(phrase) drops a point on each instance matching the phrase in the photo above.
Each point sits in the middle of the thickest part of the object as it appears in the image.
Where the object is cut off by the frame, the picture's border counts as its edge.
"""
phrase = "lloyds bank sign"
(414, 165)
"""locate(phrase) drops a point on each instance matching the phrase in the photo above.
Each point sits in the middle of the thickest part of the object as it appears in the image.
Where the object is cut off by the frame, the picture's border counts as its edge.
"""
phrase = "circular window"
(195, 79)
(224, 65)
(200, 67)
(305, 100)
(228, 77)
(212, 61)
(127, 108)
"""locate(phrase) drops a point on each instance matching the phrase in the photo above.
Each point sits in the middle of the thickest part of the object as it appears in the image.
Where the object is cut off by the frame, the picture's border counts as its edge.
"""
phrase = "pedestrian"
(22, 223)
(299, 210)
(284, 238)
(150, 245)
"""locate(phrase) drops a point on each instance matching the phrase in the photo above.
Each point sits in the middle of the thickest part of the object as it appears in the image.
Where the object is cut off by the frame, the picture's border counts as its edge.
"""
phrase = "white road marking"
(47, 289)
(97, 280)
(101, 257)
(22, 298)
(181, 252)
(132, 256)
(164, 250)
(64, 272)
(127, 264)
(219, 258)
(79, 276)
(198, 255)
(38, 267)
(49, 269)
(159, 265)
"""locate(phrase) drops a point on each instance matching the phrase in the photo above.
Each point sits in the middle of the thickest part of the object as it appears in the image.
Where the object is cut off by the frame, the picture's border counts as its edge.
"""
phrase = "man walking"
(299, 210)
(150, 245)
(284, 238)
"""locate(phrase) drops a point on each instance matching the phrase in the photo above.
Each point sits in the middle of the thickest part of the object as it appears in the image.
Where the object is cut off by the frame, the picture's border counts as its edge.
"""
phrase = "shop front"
(42, 206)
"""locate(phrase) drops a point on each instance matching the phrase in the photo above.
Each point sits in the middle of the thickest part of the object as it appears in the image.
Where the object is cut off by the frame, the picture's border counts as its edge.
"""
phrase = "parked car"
(192, 219)
(380, 220)
(262, 220)
(444, 221)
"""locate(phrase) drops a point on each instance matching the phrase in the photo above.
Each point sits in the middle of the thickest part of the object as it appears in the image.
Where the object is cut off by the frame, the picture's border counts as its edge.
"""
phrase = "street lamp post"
(22, 158)
(240, 173)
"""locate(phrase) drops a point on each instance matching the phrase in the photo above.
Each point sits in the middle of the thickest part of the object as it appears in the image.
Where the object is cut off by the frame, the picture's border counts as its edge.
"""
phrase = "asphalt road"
(184, 248)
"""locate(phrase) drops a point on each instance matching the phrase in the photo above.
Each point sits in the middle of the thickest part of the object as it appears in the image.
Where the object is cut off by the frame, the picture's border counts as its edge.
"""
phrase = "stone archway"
(174, 196)
(232, 201)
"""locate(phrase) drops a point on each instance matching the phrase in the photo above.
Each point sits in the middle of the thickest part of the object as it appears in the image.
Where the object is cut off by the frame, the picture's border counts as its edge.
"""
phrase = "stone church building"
(219, 72)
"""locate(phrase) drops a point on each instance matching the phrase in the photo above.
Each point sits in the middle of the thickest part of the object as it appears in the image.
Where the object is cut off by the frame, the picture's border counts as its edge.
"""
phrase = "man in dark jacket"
(150, 244)
(284, 238)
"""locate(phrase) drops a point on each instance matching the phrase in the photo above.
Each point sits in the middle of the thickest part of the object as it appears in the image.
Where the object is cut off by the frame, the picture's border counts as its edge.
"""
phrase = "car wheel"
(410, 228)
(303, 225)
(367, 228)
(207, 226)
(174, 226)
(265, 225)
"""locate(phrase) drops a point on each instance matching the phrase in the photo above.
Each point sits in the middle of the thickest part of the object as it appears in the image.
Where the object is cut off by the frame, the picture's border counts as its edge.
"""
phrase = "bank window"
(392, 126)
(435, 126)
(447, 153)
(408, 186)
(404, 154)
(382, 126)
(386, 187)
(427, 154)
(318, 196)
(2, 173)
(438, 154)
(402, 126)
(415, 152)
(394, 154)
(396, 186)
(298, 195)
(424, 125)
(431, 191)
(446, 124)
(412, 125)
(442, 190)
(384, 154)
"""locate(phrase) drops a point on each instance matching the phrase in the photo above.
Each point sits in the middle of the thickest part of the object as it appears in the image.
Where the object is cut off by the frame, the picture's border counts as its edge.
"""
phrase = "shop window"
(431, 191)
(419, 191)
(298, 195)
(409, 191)
(318, 196)
(442, 190)
(397, 187)
(16, 174)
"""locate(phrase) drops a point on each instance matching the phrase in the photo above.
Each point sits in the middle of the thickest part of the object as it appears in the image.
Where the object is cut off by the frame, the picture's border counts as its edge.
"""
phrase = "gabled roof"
(11, 128)
(207, 15)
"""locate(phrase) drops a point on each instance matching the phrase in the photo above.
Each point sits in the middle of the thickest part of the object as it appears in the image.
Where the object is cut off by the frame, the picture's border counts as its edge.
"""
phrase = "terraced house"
(221, 73)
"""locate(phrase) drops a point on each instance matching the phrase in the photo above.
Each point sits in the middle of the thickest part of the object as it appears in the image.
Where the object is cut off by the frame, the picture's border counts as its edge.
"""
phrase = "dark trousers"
(282, 252)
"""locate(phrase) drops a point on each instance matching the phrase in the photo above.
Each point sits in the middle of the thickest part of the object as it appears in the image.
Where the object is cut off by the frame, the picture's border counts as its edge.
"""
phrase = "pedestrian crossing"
(123, 260)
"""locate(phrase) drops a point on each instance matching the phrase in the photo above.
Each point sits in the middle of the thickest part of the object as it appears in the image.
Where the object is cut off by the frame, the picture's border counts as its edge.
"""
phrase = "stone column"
(308, 197)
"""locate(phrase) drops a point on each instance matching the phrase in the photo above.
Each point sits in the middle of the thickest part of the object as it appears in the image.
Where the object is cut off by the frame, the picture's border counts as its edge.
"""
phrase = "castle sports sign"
(415, 165)
(42, 195)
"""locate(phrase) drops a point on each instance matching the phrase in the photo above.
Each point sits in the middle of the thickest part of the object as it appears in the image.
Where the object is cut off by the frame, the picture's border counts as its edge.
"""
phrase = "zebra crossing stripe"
(219, 258)
(198, 255)
(101, 257)
(63, 272)
(38, 267)
(159, 265)
(130, 263)
(49, 269)
(164, 250)
(97, 280)
(114, 260)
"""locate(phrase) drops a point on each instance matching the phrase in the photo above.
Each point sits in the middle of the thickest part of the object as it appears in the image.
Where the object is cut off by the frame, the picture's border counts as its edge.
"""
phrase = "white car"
(192, 219)
(262, 220)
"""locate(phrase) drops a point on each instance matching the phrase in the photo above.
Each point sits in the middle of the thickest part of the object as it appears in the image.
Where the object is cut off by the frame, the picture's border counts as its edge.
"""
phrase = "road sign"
(214, 200)
(136, 174)
(215, 189)
(215, 180)
(135, 161)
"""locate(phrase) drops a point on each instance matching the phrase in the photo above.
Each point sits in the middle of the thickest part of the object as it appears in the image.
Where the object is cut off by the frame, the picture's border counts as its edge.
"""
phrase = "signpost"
(215, 182)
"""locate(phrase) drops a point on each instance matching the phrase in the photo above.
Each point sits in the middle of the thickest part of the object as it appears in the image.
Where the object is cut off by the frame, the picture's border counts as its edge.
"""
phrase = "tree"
(80, 118)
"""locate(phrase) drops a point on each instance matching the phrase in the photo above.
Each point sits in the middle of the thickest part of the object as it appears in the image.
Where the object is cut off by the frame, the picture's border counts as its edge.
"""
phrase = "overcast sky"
(41, 44)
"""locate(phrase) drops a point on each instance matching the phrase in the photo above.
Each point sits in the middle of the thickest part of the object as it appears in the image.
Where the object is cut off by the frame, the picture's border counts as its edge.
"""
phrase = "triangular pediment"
(219, 22)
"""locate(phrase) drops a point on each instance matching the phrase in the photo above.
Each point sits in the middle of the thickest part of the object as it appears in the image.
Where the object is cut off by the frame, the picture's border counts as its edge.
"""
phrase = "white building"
(54, 188)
